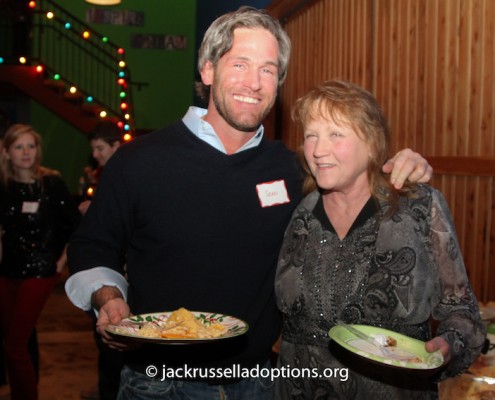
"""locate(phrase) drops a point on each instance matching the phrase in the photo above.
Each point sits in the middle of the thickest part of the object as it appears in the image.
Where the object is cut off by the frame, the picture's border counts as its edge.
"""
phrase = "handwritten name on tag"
(30, 207)
(272, 193)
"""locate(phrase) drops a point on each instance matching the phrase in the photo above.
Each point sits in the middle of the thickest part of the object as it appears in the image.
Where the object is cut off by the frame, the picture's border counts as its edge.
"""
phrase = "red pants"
(21, 303)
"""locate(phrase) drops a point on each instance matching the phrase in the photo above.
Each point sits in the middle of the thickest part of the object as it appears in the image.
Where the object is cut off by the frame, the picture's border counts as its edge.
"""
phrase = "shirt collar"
(204, 131)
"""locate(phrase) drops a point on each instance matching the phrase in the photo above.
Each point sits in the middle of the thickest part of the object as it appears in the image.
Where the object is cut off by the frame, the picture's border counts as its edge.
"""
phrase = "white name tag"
(272, 193)
(30, 207)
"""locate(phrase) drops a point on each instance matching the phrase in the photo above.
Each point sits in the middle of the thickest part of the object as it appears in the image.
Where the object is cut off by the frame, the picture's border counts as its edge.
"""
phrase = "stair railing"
(86, 64)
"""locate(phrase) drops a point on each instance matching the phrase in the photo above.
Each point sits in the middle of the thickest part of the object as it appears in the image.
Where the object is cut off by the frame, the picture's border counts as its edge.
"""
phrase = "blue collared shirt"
(203, 130)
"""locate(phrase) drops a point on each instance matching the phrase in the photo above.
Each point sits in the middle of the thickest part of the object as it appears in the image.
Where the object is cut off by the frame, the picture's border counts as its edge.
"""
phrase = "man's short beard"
(236, 125)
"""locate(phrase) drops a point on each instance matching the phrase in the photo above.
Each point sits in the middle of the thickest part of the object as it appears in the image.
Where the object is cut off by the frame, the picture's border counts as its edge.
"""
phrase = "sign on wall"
(159, 41)
(115, 17)
(136, 18)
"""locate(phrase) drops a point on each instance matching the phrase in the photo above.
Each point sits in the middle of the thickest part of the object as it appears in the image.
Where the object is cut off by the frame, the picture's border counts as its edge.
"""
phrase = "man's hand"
(113, 312)
(439, 343)
(407, 165)
(112, 309)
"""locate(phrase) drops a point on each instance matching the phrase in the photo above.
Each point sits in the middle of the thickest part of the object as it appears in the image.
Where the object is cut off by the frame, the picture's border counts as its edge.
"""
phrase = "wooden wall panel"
(329, 39)
(431, 64)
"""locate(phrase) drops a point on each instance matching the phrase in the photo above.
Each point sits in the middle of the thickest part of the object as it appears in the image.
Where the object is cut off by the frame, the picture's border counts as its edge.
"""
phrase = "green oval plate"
(420, 358)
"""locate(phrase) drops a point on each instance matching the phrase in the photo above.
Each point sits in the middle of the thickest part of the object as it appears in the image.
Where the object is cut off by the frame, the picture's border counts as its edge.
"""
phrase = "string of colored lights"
(125, 119)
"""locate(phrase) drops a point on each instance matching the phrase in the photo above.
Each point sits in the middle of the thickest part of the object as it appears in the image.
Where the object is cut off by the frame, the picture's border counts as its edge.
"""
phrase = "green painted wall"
(64, 148)
(168, 75)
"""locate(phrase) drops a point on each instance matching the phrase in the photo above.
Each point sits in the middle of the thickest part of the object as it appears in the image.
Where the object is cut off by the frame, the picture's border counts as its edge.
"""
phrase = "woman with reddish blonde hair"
(37, 216)
(359, 251)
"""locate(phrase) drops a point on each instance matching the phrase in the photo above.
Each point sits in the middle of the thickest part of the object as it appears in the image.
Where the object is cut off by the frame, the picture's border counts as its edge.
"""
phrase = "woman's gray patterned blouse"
(403, 273)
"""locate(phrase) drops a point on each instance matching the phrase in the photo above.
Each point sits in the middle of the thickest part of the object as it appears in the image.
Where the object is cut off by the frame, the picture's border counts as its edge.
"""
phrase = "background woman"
(360, 251)
(37, 215)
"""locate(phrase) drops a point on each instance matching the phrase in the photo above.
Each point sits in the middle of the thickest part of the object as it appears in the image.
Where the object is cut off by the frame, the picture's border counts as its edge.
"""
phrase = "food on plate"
(385, 340)
(182, 324)
(415, 360)
(389, 341)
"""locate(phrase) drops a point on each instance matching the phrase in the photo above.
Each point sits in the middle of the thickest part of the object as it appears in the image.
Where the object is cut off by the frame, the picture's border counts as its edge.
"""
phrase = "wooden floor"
(67, 350)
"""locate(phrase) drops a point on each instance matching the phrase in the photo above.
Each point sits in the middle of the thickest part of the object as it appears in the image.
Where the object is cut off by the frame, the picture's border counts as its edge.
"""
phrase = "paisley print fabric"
(403, 273)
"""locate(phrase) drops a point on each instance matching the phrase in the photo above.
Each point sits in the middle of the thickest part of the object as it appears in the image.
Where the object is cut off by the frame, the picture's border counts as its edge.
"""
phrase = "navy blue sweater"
(190, 222)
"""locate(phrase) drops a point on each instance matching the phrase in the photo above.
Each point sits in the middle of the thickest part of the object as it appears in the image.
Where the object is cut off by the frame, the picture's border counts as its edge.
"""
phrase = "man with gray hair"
(199, 208)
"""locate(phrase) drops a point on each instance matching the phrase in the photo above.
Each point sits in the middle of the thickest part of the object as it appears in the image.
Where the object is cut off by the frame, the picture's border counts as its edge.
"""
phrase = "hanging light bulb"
(90, 191)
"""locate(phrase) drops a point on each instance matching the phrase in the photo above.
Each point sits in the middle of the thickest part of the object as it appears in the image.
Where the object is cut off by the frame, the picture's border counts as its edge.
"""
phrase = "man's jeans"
(137, 386)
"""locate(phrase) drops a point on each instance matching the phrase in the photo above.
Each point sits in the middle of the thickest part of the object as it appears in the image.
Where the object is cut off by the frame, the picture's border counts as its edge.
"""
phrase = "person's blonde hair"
(13, 133)
(350, 105)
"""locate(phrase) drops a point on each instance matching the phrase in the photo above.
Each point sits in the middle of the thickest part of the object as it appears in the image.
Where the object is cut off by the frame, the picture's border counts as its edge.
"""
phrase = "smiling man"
(199, 208)
(244, 85)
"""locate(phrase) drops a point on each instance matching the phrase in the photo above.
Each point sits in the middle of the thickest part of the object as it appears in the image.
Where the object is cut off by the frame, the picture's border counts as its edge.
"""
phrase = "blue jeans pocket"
(134, 386)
